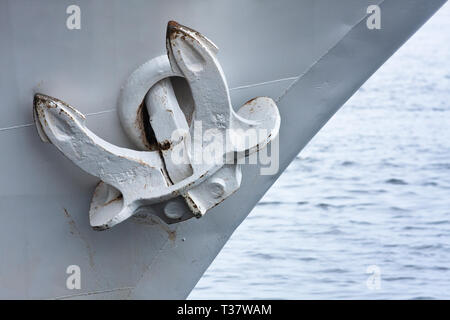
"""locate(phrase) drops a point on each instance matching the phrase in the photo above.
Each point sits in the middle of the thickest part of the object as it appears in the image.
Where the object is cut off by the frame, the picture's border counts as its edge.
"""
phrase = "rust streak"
(75, 231)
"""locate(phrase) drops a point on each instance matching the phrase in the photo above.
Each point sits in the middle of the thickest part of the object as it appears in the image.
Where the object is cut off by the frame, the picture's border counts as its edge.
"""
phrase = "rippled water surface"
(372, 188)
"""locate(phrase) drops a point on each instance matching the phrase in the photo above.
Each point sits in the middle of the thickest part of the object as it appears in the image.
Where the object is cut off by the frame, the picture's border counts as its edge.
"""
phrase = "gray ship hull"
(309, 56)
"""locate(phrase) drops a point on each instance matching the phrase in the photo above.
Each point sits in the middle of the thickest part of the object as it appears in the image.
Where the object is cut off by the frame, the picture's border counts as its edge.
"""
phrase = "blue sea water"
(371, 189)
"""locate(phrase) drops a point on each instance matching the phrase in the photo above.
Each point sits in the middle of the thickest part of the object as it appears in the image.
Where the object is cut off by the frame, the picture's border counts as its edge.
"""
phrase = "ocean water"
(371, 190)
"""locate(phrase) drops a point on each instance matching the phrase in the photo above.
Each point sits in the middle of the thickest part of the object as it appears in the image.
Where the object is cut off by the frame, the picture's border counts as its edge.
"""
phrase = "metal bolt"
(174, 210)
(217, 187)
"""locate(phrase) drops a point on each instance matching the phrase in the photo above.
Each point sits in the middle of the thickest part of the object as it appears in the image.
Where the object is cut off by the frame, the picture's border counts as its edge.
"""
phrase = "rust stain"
(118, 198)
(176, 30)
(101, 228)
(142, 123)
(173, 24)
(75, 231)
(172, 235)
(145, 219)
(49, 102)
(251, 100)
(193, 206)
(165, 145)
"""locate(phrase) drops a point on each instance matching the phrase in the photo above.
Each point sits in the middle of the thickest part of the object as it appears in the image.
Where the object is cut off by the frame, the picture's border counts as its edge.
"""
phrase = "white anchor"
(150, 179)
